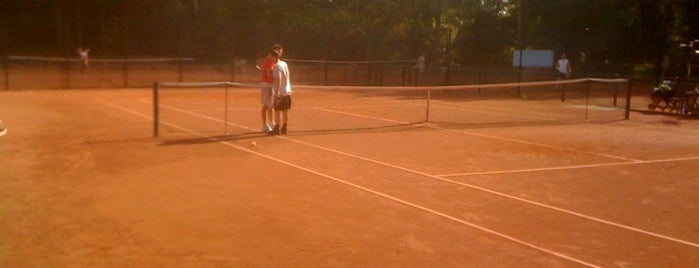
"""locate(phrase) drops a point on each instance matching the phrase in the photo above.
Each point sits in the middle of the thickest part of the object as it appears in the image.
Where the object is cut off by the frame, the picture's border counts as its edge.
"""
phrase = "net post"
(225, 116)
(6, 67)
(125, 43)
(67, 71)
(427, 109)
(380, 75)
(233, 67)
(325, 72)
(402, 72)
(368, 73)
(616, 92)
(563, 93)
(125, 71)
(627, 109)
(156, 108)
(418, 76)
(179, 69)
(587, 98)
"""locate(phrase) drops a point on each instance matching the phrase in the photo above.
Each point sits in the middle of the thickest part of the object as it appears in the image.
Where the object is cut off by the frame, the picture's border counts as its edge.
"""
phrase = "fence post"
(179, 69)
(6, 66)
(125, 69)
(156, 109)
(628, 98)
(67, 71)
(427, 111)
(563, 93)
(587, 98)
(325, 72)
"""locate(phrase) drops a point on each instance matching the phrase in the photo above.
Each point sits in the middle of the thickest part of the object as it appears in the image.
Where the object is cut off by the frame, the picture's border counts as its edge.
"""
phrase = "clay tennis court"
(85, 184)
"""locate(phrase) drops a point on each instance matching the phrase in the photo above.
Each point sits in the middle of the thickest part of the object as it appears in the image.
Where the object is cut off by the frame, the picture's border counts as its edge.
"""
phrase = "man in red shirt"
(266, 98)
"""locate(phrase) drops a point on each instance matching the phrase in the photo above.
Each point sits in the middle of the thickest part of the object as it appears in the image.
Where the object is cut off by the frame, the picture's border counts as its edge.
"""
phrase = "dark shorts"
(284, 103)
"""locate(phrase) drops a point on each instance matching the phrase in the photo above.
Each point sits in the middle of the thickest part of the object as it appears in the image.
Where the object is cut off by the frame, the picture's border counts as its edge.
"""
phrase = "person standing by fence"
(84, 59)
(281, 89)
(266, 97)
(563, 67)
(420, 66)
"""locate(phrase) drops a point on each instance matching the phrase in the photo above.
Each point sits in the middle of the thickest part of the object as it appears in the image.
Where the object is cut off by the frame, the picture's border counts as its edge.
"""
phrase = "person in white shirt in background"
(563, 67)
(84, 59)
(281, 90)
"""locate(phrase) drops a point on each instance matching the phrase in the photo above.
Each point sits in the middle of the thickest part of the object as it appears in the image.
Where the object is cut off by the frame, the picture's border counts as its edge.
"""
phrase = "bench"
(671, 98)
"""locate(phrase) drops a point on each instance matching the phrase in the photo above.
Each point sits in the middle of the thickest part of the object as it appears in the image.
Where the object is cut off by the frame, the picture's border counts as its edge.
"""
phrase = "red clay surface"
(84, 184)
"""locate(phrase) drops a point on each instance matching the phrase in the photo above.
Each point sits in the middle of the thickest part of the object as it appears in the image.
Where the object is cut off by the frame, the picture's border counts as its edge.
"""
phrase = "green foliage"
(599, 35)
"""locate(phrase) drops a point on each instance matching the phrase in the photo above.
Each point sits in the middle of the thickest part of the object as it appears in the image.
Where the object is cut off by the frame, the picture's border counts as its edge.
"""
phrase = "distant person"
(84, 59)
(281, 89)
(420, 66)
(266, 97)
(563, 67)
(420, 63)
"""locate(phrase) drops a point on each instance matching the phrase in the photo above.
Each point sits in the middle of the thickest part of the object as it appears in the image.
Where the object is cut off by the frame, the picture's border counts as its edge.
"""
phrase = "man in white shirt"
(281, 90)
(266, 98)
(84, 59)
(563, 67)
(420, 64)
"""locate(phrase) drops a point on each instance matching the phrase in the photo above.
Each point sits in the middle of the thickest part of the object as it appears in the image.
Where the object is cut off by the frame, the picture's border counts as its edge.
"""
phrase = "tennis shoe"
(275, 131)
(283, 130)
(266, 129)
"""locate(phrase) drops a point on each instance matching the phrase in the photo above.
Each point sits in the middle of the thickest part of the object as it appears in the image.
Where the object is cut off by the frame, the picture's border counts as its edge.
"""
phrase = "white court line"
(501, 138)
(499, 172)
(558, 209)
(481, 188)
(562, 210)
(359, 115)
(669, 129)
(356, 186)
(407, 203)
(485, 136)
(124, 109)
(539, 144)
(526, 142)
(554, 208)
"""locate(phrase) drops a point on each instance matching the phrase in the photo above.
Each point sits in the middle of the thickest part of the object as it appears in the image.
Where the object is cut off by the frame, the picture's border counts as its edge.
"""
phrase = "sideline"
(499, 172)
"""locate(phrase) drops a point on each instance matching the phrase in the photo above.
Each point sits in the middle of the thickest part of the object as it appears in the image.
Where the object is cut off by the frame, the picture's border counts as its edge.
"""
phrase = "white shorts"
(266, 95)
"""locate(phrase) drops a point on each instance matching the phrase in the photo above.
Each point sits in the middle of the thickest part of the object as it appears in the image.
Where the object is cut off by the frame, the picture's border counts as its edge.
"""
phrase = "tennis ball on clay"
(253, 144)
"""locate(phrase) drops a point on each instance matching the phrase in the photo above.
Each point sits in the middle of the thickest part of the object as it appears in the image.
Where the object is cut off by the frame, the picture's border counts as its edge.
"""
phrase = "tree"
(604, 36)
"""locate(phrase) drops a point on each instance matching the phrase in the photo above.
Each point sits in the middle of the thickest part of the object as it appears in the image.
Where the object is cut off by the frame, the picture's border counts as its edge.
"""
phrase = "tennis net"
(223, 107)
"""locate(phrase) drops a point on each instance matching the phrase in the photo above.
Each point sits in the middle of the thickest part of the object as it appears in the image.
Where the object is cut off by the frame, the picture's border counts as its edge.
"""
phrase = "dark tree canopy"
(601, 35)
